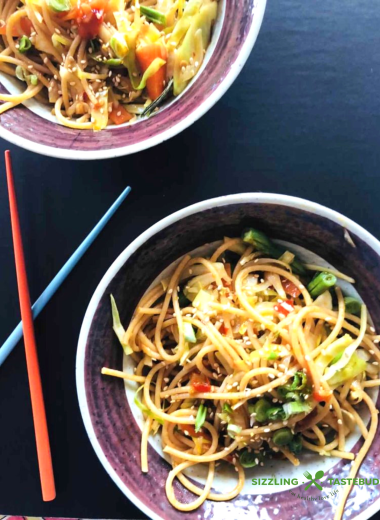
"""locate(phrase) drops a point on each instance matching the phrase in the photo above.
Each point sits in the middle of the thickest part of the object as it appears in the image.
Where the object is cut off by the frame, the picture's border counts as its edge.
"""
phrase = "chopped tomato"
(290, 288)
(145, 55)
(223, 329)
(189, 428)
(88, 15)
(322, 395)
(24, 27)
(119, 115)
(284, 307)
(199, 383)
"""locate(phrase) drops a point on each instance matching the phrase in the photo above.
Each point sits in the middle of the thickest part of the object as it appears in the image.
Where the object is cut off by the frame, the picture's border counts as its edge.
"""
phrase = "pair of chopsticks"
(26, 327)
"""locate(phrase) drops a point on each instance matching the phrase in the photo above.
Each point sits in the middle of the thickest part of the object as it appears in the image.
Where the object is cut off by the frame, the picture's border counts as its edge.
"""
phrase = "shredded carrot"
(119, 115)
(145, 55)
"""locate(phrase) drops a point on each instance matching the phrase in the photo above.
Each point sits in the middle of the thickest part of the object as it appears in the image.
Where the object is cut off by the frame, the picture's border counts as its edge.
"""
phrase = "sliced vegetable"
(189, 333)
(180, 29)
(201, 417)
(275, 413)
(296, 407)
(272, 355)
(233, 430)
(59, 6)
(119, 45)
(295, 445)
(353, 306)
(285, 307)
(263, 243)
(290, 288)
(24, 44)
(248, 459)
(25, 27)
(324, 301)
(144, 408)
(153, 15)
(322, 396)
(287, 257)
(227, 408)
(119, 115)
(118, 327)
(182, 300)
(321, 283)
(190, 430)
(282, 437)
(336, 348)
(353, 368)
(158, 101)
(152, 62)
(99, 112)
(111, 62)
(190, 53)
(260, 410)
(202, 299)
(295, 390)
(199, 383)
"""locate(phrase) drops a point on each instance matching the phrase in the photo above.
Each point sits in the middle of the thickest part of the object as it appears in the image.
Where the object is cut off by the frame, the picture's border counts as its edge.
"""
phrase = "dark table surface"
(303, 119)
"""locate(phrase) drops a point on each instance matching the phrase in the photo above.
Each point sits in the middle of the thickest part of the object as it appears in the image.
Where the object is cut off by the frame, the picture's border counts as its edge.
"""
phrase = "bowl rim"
(67, 153)
(241, 198)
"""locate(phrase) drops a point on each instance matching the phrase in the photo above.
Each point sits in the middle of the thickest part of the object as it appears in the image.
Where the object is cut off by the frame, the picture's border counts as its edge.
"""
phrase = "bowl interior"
(114, 427)
(234, 35)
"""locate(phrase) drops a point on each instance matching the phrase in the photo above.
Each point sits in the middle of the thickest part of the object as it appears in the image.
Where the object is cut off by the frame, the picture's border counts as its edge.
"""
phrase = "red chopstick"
(38, 406)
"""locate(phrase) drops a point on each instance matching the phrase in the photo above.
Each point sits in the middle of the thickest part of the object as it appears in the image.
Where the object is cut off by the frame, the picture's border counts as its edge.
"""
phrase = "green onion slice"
(201, 417)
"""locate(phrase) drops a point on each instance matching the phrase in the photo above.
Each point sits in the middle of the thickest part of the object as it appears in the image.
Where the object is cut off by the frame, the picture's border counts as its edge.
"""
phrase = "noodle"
(235, 361)
(92, 59)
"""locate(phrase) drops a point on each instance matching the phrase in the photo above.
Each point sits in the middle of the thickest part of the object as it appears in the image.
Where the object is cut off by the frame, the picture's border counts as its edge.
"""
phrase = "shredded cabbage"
(118, 327)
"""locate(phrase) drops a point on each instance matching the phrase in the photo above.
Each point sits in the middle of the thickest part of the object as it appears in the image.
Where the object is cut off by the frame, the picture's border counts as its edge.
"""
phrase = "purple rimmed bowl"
(235, 33)
(110, 418)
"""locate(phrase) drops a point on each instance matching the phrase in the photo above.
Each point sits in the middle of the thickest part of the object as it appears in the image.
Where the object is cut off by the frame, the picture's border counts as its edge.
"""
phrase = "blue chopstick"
(16, 335)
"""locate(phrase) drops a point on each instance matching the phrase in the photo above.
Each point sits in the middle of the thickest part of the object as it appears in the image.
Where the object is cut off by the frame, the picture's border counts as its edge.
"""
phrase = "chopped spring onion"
(111, 62)
(272, 355)
(118, 327)
(275, 413)
(227, 408)
(153, 15)
(189, 333)
(264, 244)
(24, 44)
(296, 407)
(321, 283)
(201, 417)
(233, 429)
(21, 73)
(33, 79)
(295, 445)
(248, 458)
(282, 437)
(260, 410)
(353, 306)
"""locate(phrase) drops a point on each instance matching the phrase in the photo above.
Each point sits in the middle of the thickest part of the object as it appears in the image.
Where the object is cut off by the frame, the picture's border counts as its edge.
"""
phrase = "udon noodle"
(247, 355)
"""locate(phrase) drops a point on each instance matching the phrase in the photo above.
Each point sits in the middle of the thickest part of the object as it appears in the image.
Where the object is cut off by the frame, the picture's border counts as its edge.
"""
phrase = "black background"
(303, 118)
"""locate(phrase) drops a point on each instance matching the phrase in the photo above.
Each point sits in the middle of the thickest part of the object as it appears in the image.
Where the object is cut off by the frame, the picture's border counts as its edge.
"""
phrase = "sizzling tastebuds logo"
(312, 481)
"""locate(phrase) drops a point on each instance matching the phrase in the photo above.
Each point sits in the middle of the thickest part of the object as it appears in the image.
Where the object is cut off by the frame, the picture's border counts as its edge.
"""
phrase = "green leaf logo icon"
(318, 476)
